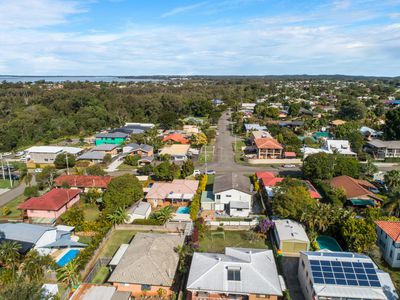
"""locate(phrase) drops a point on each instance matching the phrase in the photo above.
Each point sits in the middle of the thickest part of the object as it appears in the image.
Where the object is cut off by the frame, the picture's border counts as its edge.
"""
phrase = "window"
(391, 253)
(239, 209)
(234, 274)
(218, 197)
(398, 256)
(145, 287)
(228, 196)
(263, 296)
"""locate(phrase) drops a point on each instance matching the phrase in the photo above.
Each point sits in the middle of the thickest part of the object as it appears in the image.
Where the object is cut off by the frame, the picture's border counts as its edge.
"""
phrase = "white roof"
(53, 149)
(65, 228)
(258, 273)
(118, 255)
(289, 230)
(50, 289)
(140, 208)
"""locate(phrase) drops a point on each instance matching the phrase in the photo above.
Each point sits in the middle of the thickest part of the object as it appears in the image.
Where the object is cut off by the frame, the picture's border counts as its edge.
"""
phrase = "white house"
(388, 233)
(140, 210)
(233, 194)
(342, 275)
(330, 147)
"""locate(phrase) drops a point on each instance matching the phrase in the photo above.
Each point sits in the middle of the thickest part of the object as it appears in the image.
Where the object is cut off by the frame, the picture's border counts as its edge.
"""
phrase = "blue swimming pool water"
(183, 210)
(329, 243)
(67, 257)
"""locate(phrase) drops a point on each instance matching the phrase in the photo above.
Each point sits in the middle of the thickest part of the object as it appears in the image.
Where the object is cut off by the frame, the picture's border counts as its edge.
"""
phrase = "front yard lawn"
(124, 166)
(118, 238)
(216, 242)
(12, 205)
(5, 184)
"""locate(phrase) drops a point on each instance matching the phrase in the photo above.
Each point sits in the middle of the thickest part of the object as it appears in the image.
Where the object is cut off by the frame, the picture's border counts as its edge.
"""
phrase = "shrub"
(31, 191)
(6, 211)
(147, 222)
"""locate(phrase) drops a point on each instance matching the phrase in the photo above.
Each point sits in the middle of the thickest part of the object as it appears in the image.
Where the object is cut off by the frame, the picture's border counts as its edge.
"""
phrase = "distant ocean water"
(14, 79)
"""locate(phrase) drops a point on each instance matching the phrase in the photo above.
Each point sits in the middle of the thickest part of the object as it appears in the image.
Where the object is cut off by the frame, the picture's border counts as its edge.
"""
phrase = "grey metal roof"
(224, 182)
(23, 232)
(384, 144)
(258, 273)
(289, 230)
(112, 135)
(120, 295)
(65, 242)
(105, 147)
(150, 259)
(140, 208)
(92, 155)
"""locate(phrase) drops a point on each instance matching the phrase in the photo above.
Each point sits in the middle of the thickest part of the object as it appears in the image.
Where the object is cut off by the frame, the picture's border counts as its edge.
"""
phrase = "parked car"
(6, 154)
(24, 159)
(289, 166)
(210, 172)
(19, 153)
(196, 172)
(38, 170)
(13, 176)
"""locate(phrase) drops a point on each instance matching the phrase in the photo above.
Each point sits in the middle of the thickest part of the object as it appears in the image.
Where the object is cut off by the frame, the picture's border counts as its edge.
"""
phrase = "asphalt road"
(14, 193)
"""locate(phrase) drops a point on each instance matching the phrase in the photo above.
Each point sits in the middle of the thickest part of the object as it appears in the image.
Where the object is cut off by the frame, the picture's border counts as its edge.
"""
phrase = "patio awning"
(174, 196)
(65, 242)
(362, 202)
(187, 196)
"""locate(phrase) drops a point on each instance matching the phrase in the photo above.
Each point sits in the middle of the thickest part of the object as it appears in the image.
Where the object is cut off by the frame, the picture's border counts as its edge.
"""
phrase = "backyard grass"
(210, 154)
(124, 167)
(91, 212)
(85, 239)
(117, 238)
(12, 205)
(101, 275)
(216, 243)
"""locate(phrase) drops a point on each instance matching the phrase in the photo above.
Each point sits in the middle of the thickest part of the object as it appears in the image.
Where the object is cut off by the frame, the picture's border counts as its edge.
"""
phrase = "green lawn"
(5, 184)
(118, 237)
(91, 212)
(101, 275)
(124, 167)
(239, 158)
(216, 243)
(85, 239)
(210, 154)
(12, 205)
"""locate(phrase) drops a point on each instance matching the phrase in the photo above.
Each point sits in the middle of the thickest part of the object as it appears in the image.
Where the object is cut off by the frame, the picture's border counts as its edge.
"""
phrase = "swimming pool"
(67, 257)
(328, 243)
(183, 210)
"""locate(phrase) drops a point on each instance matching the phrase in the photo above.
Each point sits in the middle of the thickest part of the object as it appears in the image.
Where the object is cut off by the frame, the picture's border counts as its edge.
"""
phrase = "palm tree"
(69, 274)
(9, 253)
(34, 265)
(392, 206)
(118, 216)
(28, 179)
(164, 214)
(392, 179)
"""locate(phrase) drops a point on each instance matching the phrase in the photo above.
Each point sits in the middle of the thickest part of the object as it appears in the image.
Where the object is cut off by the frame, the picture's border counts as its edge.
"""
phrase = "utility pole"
(66, 160)
(2, 167)
(9, 174)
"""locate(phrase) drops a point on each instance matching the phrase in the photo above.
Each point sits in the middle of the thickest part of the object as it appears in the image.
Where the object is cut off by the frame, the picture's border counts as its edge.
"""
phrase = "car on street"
(19, 153)
(289, 166)
(38, 170)
(210, 172)
(196, 172)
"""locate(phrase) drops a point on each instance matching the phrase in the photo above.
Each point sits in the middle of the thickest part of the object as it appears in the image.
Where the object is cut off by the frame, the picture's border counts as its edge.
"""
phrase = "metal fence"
(101, 262)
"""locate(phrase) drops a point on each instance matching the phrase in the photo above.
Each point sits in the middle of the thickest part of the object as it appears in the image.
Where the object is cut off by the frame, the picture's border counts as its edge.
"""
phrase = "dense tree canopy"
(392, 126)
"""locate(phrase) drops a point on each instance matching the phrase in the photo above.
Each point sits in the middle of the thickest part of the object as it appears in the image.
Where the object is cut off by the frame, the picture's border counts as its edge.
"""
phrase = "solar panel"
(344, 273)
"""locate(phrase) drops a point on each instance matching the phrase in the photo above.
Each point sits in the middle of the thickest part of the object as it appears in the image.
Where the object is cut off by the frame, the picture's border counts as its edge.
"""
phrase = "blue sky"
(224, 37)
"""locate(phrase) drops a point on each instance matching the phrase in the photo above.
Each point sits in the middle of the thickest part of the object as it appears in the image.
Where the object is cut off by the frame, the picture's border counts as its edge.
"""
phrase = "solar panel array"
(344, 273)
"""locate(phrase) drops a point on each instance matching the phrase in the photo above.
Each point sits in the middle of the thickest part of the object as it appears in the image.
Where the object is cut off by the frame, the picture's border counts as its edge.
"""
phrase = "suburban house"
(50, 206)
(239, 273)
(44, 239)
(248, 107)
(94, 157)
(342, 275)
(191, 129)
(254, 127)
(388, 233)
(47, 154)
(370, 133)
(383, 149)
(115, 138)
(233, 195)
(140, 210)
(290, 236)
(358, 192)
(88, 291)
(142, 150)
(84, 182)
(134, 128)
(177, 192)
(330, 146)
(176, 151)
(148, 264)
(175, 138)
(111, 149)
(268, 148)
(258, 134)
(291, 124)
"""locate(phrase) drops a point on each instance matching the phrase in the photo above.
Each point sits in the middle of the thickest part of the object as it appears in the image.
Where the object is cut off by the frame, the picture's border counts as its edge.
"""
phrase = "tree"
(163, 215)
(9, 253)
(358, 234)
(119, 216)
(46, 177)
(163, 171)
(20, 289)
(64, 160)
(346, 165)
(199, 139)
(107, 158)
(122, 192)
(392, 125)
(34, 265)
(352, 110)
(28, 179)
(294, 109)
(187, 168)
(69, 274)
(168, 119)
(95, 170)
(291, 199)
(368, 169)
(351, 131)
(392, 179)
(132, 160)
(318, 166)
(31, 191)
(74, 216)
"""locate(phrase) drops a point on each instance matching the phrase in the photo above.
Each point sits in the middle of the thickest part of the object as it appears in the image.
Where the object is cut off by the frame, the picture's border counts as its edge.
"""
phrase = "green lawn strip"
(239, 158)
(12, 205)
(216, 243)
(210, 154)
(91, 212)
(101, 275)
(5, 184)
(124, 166)
(118, 238)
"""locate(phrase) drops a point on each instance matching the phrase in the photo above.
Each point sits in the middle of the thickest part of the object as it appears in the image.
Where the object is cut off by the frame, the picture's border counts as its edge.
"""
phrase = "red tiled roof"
(176, 137)
(260, 175)
(267, 143)
(290, 154)
(312, 190)
(53, 200)
(391, 228)
(83, 181)
(271, 181)
(354, 188)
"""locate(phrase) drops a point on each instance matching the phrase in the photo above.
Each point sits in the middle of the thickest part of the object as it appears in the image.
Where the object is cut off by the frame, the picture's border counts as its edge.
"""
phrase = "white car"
(196, 172)
(38, 170)
(289, 166)
(24, 159)
(6, 154)
(19, 153)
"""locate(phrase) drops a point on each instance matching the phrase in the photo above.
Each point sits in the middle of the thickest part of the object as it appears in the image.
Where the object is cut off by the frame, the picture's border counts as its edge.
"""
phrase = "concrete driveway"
(290, 265)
